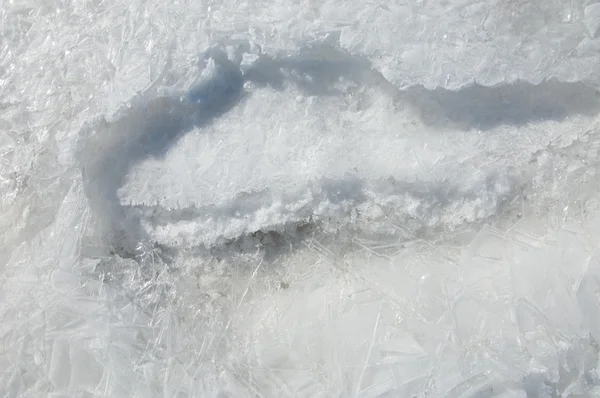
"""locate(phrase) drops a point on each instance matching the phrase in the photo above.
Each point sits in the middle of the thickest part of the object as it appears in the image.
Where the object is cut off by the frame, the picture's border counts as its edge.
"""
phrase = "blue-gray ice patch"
(220, 79)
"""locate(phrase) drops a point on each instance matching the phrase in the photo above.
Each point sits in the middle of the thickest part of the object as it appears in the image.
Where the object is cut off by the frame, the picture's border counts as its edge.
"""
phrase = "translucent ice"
(322, 198)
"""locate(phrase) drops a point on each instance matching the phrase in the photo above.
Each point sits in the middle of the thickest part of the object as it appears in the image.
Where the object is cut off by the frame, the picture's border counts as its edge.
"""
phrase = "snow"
(320, 198)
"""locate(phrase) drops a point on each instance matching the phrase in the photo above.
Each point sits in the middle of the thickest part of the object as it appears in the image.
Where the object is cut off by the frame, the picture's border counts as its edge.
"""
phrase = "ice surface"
(321, 198)
(591, 18)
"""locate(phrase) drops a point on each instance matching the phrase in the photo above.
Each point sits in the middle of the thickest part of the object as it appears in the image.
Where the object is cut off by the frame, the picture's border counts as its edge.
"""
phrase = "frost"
(280, 198)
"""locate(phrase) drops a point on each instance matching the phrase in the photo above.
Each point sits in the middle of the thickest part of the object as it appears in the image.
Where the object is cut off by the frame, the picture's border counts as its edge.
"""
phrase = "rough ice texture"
(318, 198)
(433, 43)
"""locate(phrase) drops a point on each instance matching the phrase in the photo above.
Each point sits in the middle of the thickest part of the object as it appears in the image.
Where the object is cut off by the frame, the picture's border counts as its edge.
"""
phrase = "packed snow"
(321, 198)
